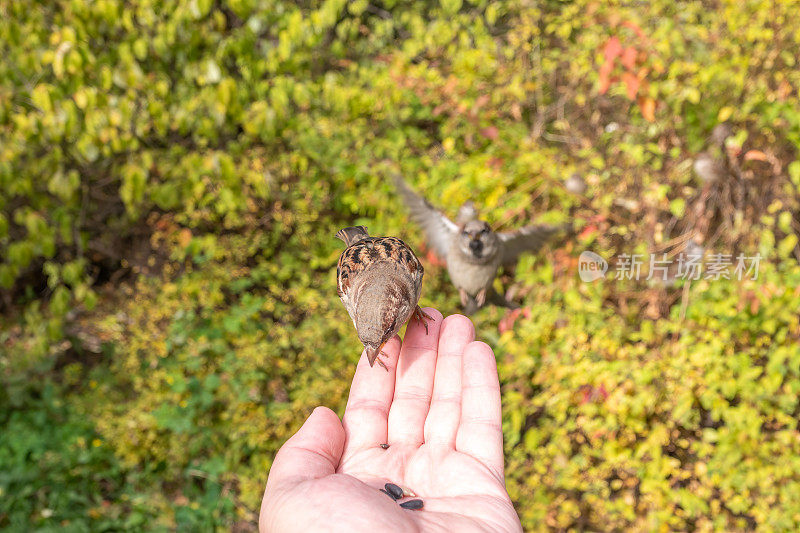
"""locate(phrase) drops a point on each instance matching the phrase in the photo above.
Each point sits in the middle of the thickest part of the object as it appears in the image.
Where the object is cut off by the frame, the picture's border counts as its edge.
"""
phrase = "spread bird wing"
(439, 230)
(528, 239)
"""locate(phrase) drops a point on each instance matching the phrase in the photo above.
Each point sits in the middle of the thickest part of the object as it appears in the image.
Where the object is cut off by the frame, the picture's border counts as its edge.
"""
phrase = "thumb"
(313, 452)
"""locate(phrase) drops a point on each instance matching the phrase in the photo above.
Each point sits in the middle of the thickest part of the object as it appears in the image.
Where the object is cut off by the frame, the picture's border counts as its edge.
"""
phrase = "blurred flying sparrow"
(473, 251)
(714, 164)
(379, 280)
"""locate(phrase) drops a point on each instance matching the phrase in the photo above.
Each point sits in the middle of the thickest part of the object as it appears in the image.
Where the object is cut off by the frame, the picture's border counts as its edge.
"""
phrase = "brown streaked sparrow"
(379, 280)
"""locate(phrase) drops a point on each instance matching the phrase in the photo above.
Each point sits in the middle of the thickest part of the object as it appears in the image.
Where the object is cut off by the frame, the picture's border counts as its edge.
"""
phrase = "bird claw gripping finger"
(422, 316)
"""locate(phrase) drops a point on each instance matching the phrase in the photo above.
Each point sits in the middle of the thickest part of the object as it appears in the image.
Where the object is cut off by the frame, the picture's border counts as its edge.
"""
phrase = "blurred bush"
(172, 173)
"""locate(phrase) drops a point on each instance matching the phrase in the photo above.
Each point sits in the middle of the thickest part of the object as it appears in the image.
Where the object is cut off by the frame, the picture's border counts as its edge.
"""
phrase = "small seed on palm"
(412, 504)
(385, 446)
(388, 494)
(395, 491)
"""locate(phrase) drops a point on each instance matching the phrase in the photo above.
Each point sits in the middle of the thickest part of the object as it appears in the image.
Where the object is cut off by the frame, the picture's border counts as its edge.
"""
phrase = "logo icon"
(591, 266)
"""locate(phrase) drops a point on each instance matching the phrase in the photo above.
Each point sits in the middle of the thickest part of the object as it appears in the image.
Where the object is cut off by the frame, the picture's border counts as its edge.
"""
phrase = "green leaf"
(451, 6)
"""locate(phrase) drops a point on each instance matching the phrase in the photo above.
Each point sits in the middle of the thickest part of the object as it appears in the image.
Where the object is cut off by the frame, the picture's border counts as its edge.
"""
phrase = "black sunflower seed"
(412, 504)
(388, 494)
(395, 491)
(385, 446)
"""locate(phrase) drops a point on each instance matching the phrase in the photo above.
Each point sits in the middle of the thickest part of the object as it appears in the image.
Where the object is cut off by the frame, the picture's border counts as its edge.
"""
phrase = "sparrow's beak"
(372, 353)
(476, 245)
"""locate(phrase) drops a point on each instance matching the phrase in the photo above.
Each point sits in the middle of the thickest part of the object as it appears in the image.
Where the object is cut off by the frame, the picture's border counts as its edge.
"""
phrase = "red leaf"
(602, 391)
(430, 255)
(490, 133)
(590, 393)
(639, 32)
(434, 259)
(629, 58)
(184, 237)
(481, 101)
(612, 49)
(755, 155)
(495, 163)
(631, 84)
(605, 79)
(588, 230)
(586, 392)
(604, 82)
(648, 107)
(508, 321)
(784, 90)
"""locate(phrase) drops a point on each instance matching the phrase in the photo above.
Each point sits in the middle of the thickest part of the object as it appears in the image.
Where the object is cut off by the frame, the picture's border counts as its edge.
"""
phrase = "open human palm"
(437, 408)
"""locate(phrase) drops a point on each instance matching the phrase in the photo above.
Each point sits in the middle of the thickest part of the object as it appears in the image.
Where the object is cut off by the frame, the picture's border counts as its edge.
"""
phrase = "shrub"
(171, 177)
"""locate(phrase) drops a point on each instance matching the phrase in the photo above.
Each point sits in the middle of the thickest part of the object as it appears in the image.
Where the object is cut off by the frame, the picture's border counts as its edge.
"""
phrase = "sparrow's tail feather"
(352, 234)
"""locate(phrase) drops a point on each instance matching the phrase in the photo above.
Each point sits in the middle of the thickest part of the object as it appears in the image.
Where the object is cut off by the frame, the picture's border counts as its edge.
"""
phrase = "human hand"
(438, 408)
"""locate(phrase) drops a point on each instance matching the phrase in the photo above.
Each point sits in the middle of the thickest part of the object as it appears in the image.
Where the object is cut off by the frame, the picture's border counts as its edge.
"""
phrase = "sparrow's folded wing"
(527, 239)
(438, 229)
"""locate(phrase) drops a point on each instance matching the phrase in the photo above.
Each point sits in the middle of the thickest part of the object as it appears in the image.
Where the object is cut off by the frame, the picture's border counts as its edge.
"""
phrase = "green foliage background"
(172, 174)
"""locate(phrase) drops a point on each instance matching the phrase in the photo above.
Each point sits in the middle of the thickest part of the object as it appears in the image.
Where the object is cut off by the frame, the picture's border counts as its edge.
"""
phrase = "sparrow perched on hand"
(473, 251)
(379, 280)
